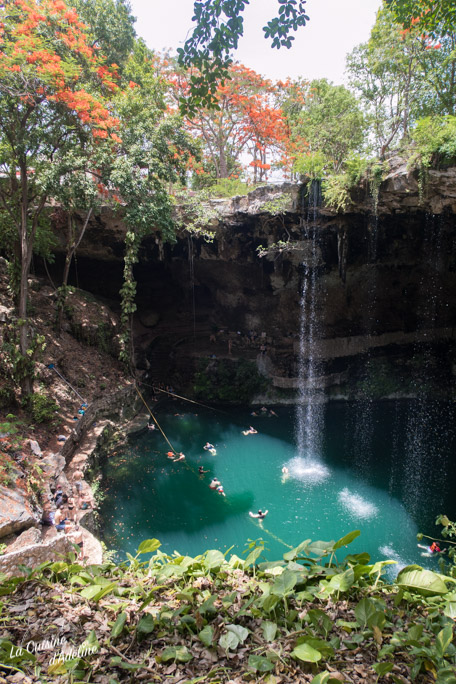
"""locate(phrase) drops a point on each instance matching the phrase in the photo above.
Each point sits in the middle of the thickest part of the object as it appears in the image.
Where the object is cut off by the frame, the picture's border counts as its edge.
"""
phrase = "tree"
(52, 82)
(219, 26)
(435, 17)
(324, 120)
(402, 74)
(243, 120)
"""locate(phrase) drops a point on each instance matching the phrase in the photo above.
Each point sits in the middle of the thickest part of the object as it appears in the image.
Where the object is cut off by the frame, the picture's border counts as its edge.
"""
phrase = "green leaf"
(382, 668)
(146, 625)
(443, 640)
(148, 546)
(91, 642)
(341, 582)
(364, 610)
(150, 596)
(253, 555)
(424, 582)
(450, 610)
(344, 541)
(241, 632)
(324, 678)
(229, 641)
(213, 559)
(118, 662)
(181, 654)
(206, 635)
(321, 548)
(297, 551)
(118, 625)
(269, 630)
(306, 653)
(260, 664)
(284, 584)
(269, 603)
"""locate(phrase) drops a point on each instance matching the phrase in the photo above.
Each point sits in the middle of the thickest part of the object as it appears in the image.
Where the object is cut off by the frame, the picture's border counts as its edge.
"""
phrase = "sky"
(319, 49)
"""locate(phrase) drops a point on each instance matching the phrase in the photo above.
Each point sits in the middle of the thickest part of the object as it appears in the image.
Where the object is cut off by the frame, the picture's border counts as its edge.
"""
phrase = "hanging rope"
(51, 365)
(191, 401)
(154, 419)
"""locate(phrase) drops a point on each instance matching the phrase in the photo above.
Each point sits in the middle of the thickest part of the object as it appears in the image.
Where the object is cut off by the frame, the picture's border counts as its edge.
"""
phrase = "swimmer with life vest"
(260, 515)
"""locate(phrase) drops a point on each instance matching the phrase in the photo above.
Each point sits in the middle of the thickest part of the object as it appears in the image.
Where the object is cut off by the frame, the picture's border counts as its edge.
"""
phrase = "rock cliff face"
(385, 288)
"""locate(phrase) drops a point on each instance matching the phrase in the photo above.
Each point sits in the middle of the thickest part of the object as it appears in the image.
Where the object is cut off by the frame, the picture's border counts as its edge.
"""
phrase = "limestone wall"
(34, 554)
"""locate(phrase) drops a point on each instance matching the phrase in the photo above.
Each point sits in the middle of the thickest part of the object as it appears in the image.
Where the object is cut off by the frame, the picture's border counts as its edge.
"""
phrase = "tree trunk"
(72, 245)
(26, 257)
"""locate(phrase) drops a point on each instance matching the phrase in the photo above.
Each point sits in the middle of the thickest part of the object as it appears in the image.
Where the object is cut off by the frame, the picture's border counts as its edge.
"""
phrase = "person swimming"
(220, 490)
(180, 457)
(171, 454)
(260, 515)
(214, 483)
(201, 470)
(250, 431)
(208, 446)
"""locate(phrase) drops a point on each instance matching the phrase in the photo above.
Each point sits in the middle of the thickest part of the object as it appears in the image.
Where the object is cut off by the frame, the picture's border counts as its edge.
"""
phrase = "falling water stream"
(310, 407)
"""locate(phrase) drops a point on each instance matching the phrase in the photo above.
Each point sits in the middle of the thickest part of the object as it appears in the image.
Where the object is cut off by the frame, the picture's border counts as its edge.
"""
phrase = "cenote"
(390, 480)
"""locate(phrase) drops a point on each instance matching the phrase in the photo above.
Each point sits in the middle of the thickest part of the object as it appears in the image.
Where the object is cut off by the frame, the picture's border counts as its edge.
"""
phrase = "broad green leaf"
(320, 548)
(284, 583)
(253, 555)
(306, 653)
(450, 610)
(146, 625)
(378, 620)
(269, 630)
(260, 664)
(424, 582)
(319, 645)
(241, 632)
(181, 654)
(325, 678)
(206, 635)
(229, 641)
(297, 551)
(117, 661)
(269, 603)
(320, 620)
(343, 581)
(103, 592)
(118, 625)
(344, 541)
(443, 640)
(364, 610)
(213, 559)
(382, 668)
(415, 632)
(148, 546)
(90, 592)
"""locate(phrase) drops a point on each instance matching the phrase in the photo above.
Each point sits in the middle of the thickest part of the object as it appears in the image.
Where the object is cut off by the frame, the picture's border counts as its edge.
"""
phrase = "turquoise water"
(390, 483)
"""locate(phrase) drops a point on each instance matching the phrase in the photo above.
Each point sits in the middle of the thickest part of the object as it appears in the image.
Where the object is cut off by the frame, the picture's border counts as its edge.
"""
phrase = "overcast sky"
(335, 28)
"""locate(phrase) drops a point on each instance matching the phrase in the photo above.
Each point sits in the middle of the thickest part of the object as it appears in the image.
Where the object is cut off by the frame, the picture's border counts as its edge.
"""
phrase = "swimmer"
(208, 446)
(285, 474)
(214, 483)
(254, 413)
(151, 426)
(272, 414)
(170, 454)
(220, 490)
(201, 470)
(260, 515)
(434, 548)
(181, 457)
(250, 431)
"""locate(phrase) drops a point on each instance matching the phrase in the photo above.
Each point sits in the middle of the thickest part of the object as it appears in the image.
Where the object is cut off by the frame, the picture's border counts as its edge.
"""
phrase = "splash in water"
(307, 470)
(356, 505)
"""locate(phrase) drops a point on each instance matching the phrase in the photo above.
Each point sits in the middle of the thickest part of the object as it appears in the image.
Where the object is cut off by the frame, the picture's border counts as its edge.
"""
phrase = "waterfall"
(364, 425)
(423, 440)
(310, 405)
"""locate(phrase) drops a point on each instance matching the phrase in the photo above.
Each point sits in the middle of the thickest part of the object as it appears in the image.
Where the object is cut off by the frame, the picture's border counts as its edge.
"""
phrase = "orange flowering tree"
(54, 91)
(245, 125)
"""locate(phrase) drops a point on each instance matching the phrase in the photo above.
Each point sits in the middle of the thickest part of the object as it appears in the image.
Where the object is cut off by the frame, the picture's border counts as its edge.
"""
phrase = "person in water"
(170, 454)
(151, 426)
(260, 515)
(250, 431)
(201, 470)
(434, 548)
(180, 457)
(208, 446)
(214, 483)
(220, 490)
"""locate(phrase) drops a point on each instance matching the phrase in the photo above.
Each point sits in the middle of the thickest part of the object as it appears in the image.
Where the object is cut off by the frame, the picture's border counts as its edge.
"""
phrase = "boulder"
(35, 447)
(15, 512)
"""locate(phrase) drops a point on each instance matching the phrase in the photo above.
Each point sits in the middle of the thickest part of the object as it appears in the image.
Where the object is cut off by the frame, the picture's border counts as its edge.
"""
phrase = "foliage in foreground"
(306, 618)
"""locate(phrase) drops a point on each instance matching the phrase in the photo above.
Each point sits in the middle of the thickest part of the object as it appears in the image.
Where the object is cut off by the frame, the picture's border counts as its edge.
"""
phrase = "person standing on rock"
(78, 478)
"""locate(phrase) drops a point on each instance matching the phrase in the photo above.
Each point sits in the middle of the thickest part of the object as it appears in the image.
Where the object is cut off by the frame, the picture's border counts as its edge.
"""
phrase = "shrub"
(41, 408)
(228, 381)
